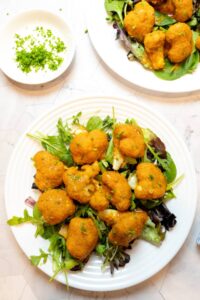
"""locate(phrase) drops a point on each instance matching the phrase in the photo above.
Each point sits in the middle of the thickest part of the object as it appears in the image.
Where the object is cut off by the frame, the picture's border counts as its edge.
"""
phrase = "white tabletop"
(19, 280)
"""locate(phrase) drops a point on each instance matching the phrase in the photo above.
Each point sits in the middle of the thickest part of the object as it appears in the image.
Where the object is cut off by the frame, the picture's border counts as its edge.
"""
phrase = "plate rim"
(143, 106)
(22, 13)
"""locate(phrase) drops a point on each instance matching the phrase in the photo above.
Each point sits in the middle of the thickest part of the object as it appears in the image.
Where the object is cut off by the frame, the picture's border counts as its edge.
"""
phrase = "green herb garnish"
(38, 51)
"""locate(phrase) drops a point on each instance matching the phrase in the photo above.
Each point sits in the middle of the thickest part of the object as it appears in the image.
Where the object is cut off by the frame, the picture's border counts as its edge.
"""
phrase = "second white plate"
(114, 55)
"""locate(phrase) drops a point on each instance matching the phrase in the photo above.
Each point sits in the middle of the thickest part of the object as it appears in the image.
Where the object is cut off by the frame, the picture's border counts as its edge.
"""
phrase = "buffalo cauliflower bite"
(183, 10)
(165, 7)
(151, 183)
(79, 183)
(155, 2)
(49, 170)
(129, 140)
(140, 20)
(127, 228)
(198, 43)
(109, 216)
(179, 39)
(154, 47)
(82, 237)
(99, 200)
(119, 190)
(55, 206)
(87, 147)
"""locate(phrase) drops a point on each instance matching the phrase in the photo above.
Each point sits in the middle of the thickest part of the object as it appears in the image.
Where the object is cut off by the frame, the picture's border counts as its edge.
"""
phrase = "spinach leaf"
(175, 71)
(167, 164)
(115, 6)
(163, 20)
(94, 122)
(170, 168)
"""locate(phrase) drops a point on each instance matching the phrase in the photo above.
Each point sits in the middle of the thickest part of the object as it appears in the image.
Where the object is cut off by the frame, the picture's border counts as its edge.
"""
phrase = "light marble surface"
(180, 279)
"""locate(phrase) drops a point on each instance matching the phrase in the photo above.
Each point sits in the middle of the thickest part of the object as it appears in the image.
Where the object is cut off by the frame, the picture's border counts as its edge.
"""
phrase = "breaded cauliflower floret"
(109, 216)
(154, 47)
(87, 147)
(79, 183)
(99, 200)
(151, 183)
(49, 170)
(182, 10)
(119, 189)
(129, 140)
(127, 228)
(140, 20)
(198, 43)
(82, 237)
(55, 206)
(155, 2)
(166, 7)
(179, 39)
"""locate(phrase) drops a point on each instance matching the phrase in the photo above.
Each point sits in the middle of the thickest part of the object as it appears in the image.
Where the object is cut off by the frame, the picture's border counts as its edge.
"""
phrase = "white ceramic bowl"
(24, 24)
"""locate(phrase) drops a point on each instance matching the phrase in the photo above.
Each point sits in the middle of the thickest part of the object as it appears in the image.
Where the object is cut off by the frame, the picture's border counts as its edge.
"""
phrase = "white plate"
(146, 259)
(103, 37)
(24, 24)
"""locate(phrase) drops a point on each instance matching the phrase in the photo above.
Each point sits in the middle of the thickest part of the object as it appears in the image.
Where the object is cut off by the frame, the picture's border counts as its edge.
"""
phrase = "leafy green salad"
(163, 35)
(114, 255)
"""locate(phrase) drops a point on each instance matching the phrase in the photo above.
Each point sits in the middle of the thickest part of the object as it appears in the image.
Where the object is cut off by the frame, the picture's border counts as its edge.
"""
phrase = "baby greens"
(117, 10)
(160, 218)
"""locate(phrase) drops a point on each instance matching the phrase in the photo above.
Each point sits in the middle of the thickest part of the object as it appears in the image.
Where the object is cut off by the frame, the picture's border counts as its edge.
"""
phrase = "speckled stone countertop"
(180, 279)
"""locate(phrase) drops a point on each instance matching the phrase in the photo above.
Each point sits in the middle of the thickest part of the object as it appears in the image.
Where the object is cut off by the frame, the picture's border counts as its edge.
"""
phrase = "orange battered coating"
(151, 182)
(129, 140)
(49, 170)
(119, 189)
(79, 183)
(127, 228)
(82, 237)
(166, 7)
(154, 47)
(140, 20)
(198, 43)
(155, 2)
(109, 216)
(99, 200)
(183, 10)
(55, 206)
(87, 147)
(179, 39)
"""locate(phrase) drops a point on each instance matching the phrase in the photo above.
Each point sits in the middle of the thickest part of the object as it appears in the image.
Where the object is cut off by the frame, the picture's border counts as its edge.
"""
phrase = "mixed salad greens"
(117, 10)
(160, 219)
